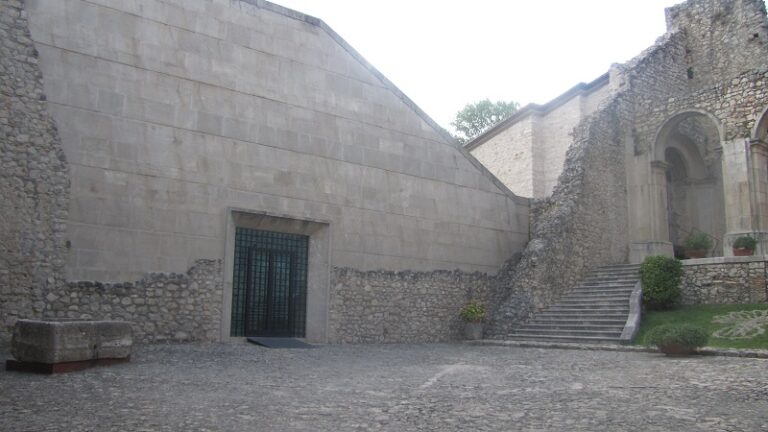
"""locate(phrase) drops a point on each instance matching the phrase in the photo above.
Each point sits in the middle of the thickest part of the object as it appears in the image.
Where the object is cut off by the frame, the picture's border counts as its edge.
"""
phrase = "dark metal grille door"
(269, 284)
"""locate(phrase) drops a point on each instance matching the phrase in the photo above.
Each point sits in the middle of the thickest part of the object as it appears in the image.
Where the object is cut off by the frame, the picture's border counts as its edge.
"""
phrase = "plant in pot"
(677, 339)
(744, 246)
(473, 314)
(698, 244)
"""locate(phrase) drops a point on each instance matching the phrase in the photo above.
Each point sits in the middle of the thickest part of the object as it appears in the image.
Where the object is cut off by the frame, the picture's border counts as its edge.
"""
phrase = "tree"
(476, 118)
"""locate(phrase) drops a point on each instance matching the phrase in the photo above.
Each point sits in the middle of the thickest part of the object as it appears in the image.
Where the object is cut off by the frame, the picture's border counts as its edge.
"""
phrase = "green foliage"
(473, 312)
(698, 241)
(702, 316)
(745, 242)
(660, 276)
(685, 335)
(476, 117)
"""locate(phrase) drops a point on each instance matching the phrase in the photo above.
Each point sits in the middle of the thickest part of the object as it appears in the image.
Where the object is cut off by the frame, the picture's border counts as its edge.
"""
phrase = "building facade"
(228, 168)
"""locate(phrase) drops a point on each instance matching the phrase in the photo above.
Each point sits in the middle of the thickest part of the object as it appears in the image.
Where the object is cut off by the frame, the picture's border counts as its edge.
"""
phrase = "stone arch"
(688, 147)
(669, 126)
(760, 130)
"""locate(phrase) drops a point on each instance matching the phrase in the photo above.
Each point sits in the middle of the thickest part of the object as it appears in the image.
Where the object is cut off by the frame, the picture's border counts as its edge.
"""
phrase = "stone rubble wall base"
(161, 306)
(386, 306)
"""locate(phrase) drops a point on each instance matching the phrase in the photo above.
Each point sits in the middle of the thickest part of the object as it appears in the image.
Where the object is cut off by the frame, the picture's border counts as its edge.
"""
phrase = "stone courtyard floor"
(440, 387)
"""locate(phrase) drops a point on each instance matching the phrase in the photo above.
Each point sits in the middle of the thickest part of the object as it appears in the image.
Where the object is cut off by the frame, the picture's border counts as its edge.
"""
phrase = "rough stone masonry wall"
(34, 185)
(161, 306)
(386, 306)
(731, 281)
(582, 225)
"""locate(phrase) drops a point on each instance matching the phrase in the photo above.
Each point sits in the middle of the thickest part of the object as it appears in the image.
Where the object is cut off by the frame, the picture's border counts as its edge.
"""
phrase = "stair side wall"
(582, 225)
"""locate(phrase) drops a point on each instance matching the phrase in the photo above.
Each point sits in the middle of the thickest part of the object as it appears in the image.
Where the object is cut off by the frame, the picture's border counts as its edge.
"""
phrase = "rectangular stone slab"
(70, 340)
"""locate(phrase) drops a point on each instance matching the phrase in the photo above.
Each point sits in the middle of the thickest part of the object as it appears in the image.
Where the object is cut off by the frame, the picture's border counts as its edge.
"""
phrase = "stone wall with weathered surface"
(730, 280)
(723, 38)
(509, 156)
(172, 112)
(33, 178)
(386, 306)
(581, 226)
(175, 115)
(527, 151)
(161, 307)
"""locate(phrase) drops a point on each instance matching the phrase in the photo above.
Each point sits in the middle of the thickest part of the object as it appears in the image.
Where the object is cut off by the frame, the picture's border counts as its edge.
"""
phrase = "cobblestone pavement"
(441, 387)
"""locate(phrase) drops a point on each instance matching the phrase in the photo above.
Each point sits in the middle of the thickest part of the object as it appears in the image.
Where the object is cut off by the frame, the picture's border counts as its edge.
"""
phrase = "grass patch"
(701, 315)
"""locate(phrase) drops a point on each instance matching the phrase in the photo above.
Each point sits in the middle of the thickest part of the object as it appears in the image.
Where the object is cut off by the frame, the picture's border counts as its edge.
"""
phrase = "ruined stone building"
(221, 168)
(693, 128)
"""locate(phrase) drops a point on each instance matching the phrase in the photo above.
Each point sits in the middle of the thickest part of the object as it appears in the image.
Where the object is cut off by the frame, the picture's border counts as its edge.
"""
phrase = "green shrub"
(745, 242)
(473, 312)
(698, 241)
(677, 334)
(660, 276)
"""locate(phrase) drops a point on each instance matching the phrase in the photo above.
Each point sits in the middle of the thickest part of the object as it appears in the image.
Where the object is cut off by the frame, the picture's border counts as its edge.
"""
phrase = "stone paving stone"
(436, 387)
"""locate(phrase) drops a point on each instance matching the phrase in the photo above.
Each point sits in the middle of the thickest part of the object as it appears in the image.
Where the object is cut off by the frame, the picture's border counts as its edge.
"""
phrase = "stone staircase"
(593, 312)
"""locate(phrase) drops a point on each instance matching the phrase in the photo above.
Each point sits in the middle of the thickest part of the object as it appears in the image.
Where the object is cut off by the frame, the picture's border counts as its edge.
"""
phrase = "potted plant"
(677, 339)
(473, 314)
(697, 244)
(744, 246)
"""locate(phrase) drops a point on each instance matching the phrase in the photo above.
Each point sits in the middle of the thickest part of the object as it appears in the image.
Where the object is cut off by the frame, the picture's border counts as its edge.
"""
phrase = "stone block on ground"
(60, 341)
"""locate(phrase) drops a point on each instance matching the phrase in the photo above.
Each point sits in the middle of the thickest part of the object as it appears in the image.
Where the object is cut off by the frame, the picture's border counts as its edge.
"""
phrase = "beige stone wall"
(528, 154)
(509, 156)
(173, 111)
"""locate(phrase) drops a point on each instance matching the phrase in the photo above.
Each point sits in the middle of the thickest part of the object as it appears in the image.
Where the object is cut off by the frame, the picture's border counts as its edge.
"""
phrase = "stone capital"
(758, 146)
(659, 165)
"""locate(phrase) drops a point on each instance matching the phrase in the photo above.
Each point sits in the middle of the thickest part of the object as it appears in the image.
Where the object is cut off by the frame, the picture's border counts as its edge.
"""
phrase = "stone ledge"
(706, 351)
(725, 260)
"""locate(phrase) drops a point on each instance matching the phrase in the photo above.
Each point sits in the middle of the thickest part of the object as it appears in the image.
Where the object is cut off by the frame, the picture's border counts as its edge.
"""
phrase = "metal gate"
(269, 285)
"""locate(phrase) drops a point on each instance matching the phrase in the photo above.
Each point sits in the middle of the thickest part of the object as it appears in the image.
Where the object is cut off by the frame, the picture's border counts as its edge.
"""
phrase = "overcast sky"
(446, 54)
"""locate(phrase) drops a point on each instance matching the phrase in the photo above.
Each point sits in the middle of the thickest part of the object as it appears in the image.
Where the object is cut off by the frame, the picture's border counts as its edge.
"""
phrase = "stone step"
(596, 296)
(606, 285)
(605, 291)
(592, 294)
(617, 281)
(578, 321)
(588, 309)
(579, 333)
(580, 327)
(583, 316)
(593, 302)
(569, 339)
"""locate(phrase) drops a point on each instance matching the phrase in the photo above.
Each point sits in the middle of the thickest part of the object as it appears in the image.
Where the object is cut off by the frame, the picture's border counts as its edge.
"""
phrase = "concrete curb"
(706, 351)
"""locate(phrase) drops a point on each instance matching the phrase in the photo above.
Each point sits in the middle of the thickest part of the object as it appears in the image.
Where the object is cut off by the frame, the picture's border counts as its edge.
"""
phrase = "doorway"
(269, 289)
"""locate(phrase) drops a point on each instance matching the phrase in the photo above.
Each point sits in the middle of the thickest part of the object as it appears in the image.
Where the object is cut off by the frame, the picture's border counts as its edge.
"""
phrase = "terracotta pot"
(473, 330)
(743, 252)
(677, 350)
(695, 253)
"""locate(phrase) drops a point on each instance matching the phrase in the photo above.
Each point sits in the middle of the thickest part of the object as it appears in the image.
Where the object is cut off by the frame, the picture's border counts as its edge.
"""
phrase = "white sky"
(445, 54)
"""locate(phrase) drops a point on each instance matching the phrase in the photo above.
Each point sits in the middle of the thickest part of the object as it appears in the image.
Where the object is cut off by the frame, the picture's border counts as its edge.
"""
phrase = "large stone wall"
(582, 225)
(171, 126)
(725, 281)
(509, 156)
(168, 122)
(33, 178)
(527, 151)
(161, 307)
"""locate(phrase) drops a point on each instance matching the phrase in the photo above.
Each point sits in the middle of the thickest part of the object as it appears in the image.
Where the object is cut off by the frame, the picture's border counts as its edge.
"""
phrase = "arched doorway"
(689, 146)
